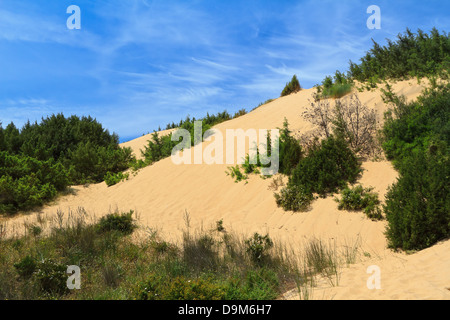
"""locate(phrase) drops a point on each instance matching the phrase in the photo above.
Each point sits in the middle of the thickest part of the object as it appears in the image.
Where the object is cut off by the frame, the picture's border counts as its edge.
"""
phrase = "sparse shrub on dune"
(112, 179)
(291, 87)
(123, 223)
(361, 199)
(294, 198)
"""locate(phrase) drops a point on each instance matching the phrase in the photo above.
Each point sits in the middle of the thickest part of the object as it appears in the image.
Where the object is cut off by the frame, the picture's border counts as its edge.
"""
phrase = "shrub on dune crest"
(291, 87)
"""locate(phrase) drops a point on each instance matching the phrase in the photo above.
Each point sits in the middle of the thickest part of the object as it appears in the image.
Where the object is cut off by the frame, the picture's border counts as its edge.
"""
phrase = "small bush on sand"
(361, 199)
(123, 223)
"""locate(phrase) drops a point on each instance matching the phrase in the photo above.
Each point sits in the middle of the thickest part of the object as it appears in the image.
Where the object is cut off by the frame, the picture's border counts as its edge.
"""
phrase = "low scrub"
(291, 87)
(294, 198)
(114, 178)
(360, 199)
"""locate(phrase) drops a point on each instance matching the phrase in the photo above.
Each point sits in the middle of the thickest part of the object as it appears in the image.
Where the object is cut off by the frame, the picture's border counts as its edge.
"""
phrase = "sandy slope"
(162, 194)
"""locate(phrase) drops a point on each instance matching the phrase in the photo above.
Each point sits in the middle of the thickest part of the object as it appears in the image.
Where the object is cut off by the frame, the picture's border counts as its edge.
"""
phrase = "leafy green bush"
(329, 166)
(236, 174)
(51, 277)
(360, 199)
(290, 151)
(123, 223)
(294, 198)
(411, 55)
(257, 247)
(291, 87)
(42, 159)
(418, 206)
(112, 179)
(416, 138)
(26, 267)
(26, 182)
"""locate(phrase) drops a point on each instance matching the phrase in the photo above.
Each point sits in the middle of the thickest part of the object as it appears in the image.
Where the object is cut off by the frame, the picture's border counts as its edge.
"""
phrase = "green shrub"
(416, 138)
(411, 55)
(236, 174)
(360, 199)
(51, 277)
(42, 159)
(112, 179)
(294, 198)
(328, 167)
(336, 91)
(26, 267)
(180, 288)
(123, 223)
(26, 182)
(290, 151)
(257, 247)
(418, 206)
(291, 87)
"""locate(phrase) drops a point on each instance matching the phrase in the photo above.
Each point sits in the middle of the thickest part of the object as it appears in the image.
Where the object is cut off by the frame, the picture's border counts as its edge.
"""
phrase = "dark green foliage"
(329, 166)
(412, 55)
(418, 205)
(290, 151)
(90, 163)
(26, 182)
(51, 277)
(158, 148)
(416, 137)
(291, 87)
(42, 159)
(361, 199)
(112, 179)
(236, 174)
(181, 288)
(210, 120)
(257, 247)
(123, 223)
(414, 126)
(341, 86)
(26, 267)
(294, 198)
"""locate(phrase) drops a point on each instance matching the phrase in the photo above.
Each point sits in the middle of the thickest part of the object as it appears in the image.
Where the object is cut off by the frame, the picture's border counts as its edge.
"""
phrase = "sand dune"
(162, 194)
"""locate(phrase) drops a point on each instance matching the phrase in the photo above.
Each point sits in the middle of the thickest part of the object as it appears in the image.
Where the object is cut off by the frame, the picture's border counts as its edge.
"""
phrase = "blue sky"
(138, 64)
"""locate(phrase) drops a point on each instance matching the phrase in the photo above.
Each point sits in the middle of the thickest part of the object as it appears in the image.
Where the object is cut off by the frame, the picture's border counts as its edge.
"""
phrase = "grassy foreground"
(119, 260)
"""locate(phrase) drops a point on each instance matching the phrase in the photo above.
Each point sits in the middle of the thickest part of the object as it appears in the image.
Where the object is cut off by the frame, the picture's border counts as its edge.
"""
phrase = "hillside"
(163, 193)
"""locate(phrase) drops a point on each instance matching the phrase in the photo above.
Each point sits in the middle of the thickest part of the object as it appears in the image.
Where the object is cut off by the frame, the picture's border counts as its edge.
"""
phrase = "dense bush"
(294, 198)
(257, 247)
(291, 87)
(329, 166)
(416, 137)
(417, 125)
(26, 182)
(51, 277)
(360, 199)
(335, 88)
(42, 159)
(123, 223)
(418, 205)
(112, 179)
(412, 55)
(290, 150)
